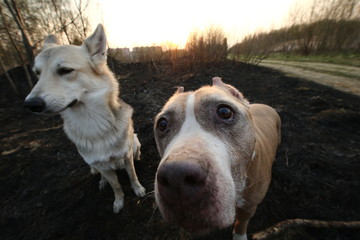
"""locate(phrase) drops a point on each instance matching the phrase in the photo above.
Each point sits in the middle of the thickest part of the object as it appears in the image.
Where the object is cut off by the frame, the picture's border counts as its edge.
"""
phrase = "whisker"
(153, 214)
(146, 197)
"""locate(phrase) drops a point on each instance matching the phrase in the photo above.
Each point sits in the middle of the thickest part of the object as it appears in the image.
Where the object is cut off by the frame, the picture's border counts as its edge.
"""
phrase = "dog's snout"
(181, 182)
(35, 104)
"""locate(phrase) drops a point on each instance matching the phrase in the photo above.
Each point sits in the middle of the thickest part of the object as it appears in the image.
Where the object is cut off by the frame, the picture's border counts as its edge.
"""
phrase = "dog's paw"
(139, 190)
(118, 205)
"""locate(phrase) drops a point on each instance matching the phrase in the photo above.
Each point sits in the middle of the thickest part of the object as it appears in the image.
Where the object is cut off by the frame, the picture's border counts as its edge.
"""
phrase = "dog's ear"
(50, 41)
(233, 91)
(96, 46)
(179, 89)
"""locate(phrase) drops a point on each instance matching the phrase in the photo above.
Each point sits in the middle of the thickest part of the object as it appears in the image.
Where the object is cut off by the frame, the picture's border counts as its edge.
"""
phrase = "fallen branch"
(294, 223)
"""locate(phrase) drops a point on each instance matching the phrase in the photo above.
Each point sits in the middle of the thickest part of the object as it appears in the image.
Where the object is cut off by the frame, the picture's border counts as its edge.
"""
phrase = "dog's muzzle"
(35, 104)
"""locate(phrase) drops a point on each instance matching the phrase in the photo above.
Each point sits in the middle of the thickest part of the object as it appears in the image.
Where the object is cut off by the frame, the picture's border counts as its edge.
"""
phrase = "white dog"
(76, 82)
(217, 151)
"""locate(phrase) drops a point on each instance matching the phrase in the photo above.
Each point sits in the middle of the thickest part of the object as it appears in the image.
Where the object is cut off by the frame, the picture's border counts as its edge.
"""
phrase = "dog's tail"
(136, 147)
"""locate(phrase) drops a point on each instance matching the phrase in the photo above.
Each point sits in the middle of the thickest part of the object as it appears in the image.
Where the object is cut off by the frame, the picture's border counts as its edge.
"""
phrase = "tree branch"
(283, 226)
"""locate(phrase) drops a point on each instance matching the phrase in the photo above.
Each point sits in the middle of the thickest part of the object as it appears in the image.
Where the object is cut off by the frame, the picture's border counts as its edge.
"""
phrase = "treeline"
(328, 27)
(207, 46)
(25, 23)
(202, 47)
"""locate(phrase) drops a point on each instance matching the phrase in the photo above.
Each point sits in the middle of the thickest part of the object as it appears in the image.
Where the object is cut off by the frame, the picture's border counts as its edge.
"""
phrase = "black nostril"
(163, 181)
(194, 180)
(35, 104)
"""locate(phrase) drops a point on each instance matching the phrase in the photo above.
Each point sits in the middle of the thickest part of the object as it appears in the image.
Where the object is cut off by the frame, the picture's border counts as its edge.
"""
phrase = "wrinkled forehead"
(67, 56)
(213, 93)
(176, 103)
(202, 96)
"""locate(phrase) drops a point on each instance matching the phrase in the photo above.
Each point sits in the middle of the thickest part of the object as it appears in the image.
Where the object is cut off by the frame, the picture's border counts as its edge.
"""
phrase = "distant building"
(121, 54)
(144, 54)
(138, 54)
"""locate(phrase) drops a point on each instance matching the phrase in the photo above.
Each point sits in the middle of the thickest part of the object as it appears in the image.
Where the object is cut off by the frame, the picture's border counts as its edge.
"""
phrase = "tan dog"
(217, 152)
(76, 82)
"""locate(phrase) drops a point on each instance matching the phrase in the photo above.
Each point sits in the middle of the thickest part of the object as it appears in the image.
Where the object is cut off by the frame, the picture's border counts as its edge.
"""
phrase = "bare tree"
(66, 18)
(4, 69)
(255, 48)
(208, 46)
(326, 26)
(15, 46)
(19, 20)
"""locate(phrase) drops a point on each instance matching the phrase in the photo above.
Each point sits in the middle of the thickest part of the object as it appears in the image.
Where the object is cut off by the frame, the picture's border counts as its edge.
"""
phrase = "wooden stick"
(293, 223)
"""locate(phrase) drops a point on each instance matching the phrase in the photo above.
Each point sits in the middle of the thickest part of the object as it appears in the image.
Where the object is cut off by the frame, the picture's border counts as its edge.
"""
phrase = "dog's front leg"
(111, 177)
(242, 220)
(136, 148)
(130, 169)
(102, 182)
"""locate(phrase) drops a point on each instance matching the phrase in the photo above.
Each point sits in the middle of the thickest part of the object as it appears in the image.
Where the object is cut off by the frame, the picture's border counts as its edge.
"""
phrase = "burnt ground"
(47, 191)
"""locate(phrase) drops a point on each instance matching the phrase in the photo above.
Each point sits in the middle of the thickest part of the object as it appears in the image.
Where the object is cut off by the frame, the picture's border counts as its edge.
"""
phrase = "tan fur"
(76, 82)
(266, 124)
(236, 156)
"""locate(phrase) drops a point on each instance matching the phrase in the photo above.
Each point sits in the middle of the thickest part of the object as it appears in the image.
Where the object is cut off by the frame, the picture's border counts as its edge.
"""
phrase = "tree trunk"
(13, 86)
(22, 60)
(17, 16)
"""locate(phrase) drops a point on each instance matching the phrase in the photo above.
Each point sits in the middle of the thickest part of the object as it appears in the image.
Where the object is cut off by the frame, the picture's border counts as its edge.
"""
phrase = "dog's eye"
(225, 112)
(162, 124)
(64, 71)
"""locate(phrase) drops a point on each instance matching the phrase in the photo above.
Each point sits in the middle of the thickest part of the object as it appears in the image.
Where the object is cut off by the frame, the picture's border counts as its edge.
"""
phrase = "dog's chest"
(97, 142)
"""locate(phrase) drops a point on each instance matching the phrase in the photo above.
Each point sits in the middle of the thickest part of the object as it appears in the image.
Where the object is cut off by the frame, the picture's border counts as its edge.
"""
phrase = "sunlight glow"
(146, 23)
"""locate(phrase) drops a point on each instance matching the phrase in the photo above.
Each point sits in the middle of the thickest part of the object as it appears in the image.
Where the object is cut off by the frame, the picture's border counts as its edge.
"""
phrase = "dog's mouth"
(197, 218)
(73, 103)
(197, 225)
(38, 105)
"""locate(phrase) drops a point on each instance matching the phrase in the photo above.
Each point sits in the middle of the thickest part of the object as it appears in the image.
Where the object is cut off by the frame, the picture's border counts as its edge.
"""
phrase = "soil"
(47, 191)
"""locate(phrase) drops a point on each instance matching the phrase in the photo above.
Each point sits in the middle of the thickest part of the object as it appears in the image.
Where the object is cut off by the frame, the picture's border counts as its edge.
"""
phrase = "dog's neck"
(96, 114)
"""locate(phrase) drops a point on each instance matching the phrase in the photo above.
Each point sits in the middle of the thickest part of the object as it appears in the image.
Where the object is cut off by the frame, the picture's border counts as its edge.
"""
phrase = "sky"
(134, 23)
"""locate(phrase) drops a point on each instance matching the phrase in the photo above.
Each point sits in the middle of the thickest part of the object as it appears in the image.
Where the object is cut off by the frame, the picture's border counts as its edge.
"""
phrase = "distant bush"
(208, 46)
(254, 48)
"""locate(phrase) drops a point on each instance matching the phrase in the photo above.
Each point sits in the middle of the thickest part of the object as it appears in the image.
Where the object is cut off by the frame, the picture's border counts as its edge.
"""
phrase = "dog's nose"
(181, 182)
(35, 104)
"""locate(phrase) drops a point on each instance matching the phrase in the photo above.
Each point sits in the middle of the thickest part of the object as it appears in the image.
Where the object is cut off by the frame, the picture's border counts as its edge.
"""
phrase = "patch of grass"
(343, 59)
(333, 72)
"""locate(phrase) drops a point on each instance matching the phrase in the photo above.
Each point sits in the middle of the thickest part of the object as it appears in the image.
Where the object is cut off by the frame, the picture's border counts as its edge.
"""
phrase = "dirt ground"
(47, 191)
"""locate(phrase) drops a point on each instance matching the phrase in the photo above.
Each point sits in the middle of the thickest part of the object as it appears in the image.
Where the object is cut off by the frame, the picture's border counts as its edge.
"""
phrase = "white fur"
(192, 135)
(253, 155)
(192, 130)
(234, 153)
(91, 127)
(240, 202)
(239, 237)
(99, 123)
